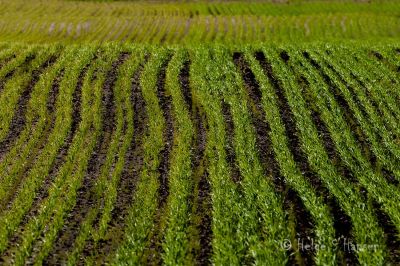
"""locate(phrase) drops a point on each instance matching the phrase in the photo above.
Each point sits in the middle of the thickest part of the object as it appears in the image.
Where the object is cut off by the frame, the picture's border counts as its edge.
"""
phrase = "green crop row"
(372, 124)
(263, 210)
(158, 23)
(140, 221)
(105, 187)
(62, 174)
(341, 135)
(315, 205)
(365, 227)
(228, 244)
(69, 176)
(14, 163)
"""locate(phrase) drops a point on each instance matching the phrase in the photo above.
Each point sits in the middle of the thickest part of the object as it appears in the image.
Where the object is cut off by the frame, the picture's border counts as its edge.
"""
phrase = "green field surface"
(200, 132)
(198, 22)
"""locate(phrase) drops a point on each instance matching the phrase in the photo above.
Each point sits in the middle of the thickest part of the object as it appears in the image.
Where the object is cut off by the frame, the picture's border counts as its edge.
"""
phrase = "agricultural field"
(199, 133)
(198, 22)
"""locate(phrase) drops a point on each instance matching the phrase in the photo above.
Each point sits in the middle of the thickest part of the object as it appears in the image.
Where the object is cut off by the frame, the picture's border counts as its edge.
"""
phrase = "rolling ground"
(279, 144)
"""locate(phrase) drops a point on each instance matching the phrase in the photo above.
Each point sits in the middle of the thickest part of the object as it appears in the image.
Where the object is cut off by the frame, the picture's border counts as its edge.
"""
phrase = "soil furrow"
(324, 133)
(368, 95)
(76, 119)
(185, 83)
(19, 120)
(349, 88)
(293, 204)
(31, 159)
(383, 220)
(200, 199)
(5, 61)
(230, 139)
(165, 101)
(342, 221)
(300, 157)
(288, 120)
(26, 62)
(50, 105)
(202, 203)
(362, 86)
(390, 66)
(391, 234)
(86, 197)
(62, 154)
(61, 157)
(262, 128)
(352, 121)
(348, 114)
(132, 169)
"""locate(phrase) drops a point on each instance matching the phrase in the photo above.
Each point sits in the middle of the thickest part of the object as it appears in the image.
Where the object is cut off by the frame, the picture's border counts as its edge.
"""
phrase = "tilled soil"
(132, 168)
(18, 121)
(201, 198)
(86, 198)
(165, 101)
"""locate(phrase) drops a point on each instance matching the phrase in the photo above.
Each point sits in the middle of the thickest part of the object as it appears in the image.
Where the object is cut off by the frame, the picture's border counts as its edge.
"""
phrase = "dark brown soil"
(389, 176)
(18, 124)
(7, 59)
(342, 221)
(166, 106)
(62, 153)
(351, 120)
(130, 173)
(346, 111)
(201, 198)
(4, 62)
(230, 140)
(165, 102)
(76, 119)
(203, 202)
(363, 88)
(262, 128)
(292, 202)
(288, 120)
(391, 234)
(390, 66)
(86, 198)
(61, 157)
(185, 83)
(378, 55)
(18, 121)
(324, 133)
(26, 62)
(51, 104)
(304, 230)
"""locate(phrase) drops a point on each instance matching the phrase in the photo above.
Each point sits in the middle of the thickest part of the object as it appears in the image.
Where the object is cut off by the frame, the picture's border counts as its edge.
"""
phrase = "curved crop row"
(134, 154)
